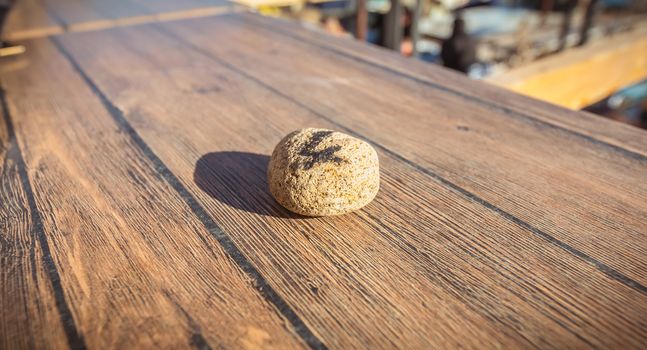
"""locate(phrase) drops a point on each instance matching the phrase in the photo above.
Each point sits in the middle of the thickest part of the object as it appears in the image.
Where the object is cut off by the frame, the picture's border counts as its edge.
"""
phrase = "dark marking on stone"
(463, 128)
(316, 157)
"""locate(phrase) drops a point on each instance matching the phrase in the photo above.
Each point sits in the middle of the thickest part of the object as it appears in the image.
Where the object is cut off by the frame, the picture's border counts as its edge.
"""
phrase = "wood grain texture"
(27, 300)
(485, 234)
(428, 264)
(511, 176)
(493, 158)
(40, 18)
(129, 262)
(498, 100)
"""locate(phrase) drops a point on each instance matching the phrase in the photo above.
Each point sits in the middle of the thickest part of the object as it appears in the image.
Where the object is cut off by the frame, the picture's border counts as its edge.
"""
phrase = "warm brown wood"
(486, 233)
(79, 15)
(27, 300)
(129, 263)
(29, 19)
(39, 18)
(447, 134)
(72, 12)
(501, 101)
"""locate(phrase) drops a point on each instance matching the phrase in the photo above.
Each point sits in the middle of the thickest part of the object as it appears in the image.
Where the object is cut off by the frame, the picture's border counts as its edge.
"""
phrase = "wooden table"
(39, 18)
(135, 211)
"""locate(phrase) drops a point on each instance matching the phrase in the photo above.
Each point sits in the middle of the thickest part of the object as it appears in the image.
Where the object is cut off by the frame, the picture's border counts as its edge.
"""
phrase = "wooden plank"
(135, 265)
(166, 6)
(28, 303)
(522, 169)
(582, 76)
(444, 270)
(35, 18)
(148, 18)
(116, 9)
(29, 19)
(498, 100)
(77, 12)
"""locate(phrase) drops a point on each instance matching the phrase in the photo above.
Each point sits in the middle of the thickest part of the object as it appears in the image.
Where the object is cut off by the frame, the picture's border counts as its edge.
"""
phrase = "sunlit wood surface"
(30, 19)
(135, 211)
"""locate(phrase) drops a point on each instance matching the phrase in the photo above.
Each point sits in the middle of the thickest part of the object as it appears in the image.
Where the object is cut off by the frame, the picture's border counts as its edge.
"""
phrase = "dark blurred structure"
(6, 48)
(5, 6)
(628, 105)
(566, 7)
(459, 51)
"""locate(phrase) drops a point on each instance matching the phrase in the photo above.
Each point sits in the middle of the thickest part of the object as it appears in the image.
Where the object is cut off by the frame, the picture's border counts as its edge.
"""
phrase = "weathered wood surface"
(140, 210)
(29, 19)
(39, 18)
(501, 101)
(129, 261)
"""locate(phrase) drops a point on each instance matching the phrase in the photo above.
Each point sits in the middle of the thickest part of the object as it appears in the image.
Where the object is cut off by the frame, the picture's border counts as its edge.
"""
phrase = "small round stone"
(319, 172)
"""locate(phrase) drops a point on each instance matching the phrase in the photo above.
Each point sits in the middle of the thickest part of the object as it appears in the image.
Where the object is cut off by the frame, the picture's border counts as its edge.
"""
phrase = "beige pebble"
(319, 172)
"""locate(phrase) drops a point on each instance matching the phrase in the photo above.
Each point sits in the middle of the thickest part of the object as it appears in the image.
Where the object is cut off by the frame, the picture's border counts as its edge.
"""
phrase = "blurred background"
(581, 54)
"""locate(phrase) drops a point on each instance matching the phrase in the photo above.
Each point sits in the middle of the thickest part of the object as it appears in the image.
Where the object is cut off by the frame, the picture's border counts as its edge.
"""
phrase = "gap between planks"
(74, 338)
(260, 283)
(513, 112)
(275, 91)
(505, 110)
